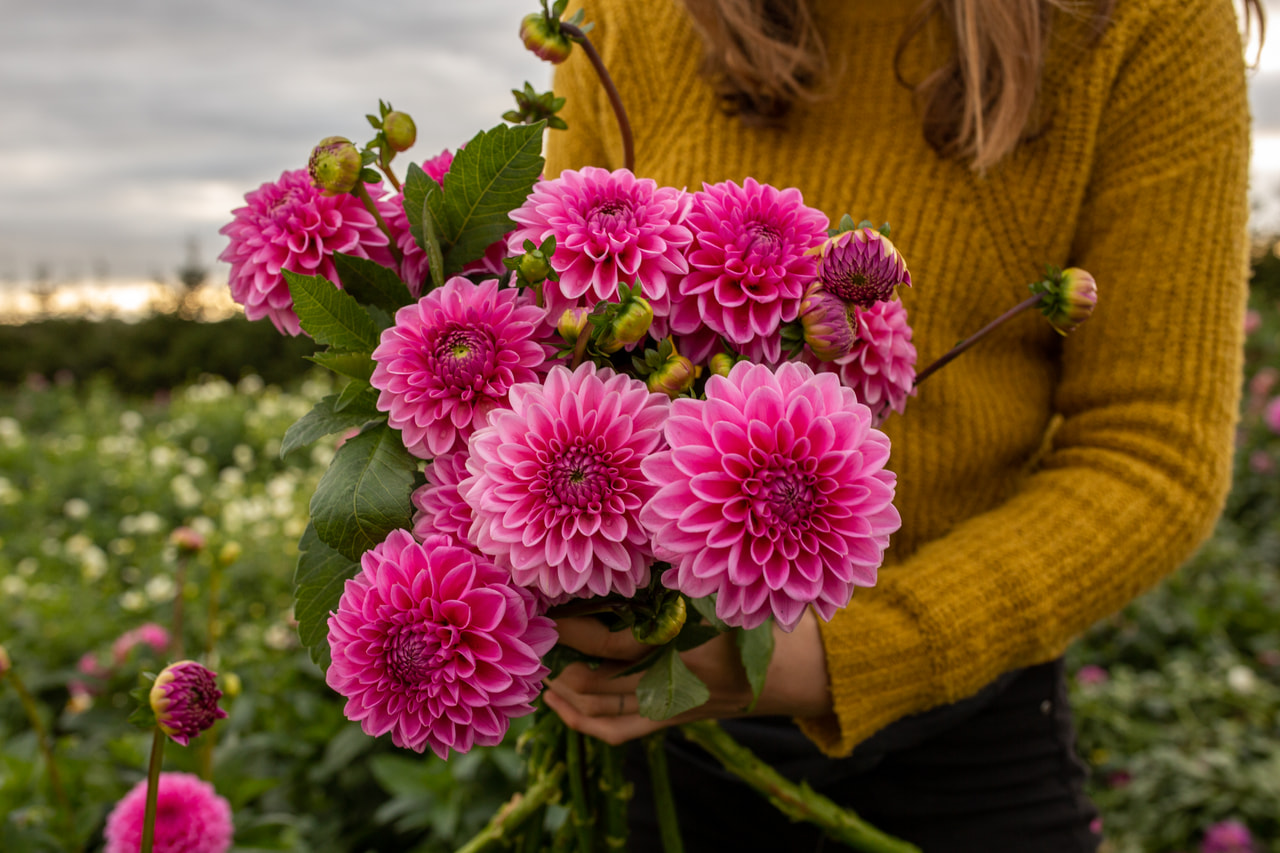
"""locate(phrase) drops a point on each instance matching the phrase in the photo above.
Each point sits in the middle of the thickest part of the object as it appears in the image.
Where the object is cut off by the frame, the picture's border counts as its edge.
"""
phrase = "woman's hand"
(596, 703)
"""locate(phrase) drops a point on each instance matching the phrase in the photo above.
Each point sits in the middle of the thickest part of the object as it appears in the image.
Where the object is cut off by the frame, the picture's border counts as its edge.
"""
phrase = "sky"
(135, 126)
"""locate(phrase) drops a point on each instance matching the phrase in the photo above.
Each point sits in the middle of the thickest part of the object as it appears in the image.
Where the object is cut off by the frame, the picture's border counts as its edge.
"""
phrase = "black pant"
(996, 772)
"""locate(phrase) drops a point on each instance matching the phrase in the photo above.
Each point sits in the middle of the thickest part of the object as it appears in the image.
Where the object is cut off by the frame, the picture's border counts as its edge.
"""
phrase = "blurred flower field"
(1177, 698)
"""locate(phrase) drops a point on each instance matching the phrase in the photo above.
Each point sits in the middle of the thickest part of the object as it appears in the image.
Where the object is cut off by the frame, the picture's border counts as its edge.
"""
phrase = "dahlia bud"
(229, 553)
(830, 329)
(862, 267)
(673, 378)
(629, 326)
(5, 663)
(1069, 298)
(232, 682)
(186, 540)
(335, 165)
(572, 323)
(663, 627)
(400, 130)
(722, 363)
(534, 267)
(185, 700)
(544, 39)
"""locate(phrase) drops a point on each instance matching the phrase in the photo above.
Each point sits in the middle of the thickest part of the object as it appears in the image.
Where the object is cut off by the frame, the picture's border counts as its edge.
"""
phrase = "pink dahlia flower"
(185, 700)
(1229, 836)
(154, 637)
(773, 496)
(610, 227)
(1271, 415)
(556, 485)
(748, 265)
(451, 358)
(440, 509)
(434, 644)
(862, 267)
(190, 818)
(290, 225)
(881, 366)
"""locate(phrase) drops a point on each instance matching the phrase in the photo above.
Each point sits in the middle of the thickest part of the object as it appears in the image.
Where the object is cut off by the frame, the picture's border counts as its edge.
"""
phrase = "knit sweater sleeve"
(1148, 393)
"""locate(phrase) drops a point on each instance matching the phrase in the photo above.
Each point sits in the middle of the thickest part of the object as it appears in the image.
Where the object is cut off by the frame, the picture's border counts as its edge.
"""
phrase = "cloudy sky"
(136, 125)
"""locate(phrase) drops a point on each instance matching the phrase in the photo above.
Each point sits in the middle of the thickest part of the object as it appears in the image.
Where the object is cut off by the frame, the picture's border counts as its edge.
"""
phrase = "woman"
(1043, 482)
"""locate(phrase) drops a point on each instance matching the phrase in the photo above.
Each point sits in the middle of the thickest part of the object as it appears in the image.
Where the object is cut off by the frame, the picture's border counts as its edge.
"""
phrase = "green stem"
(616, 793)
(950, 354)
(580, 810)
(45, 745)
(663, 801)
(615, 99)
(524, 805)
(153, 790)
(796, 801)
(384, 164)
(363, 194)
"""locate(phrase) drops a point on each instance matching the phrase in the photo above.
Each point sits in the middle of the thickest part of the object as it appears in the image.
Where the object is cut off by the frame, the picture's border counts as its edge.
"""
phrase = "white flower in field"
(281, 486)
(293, 527)
(27, 566)
(117, 445)
(121, 546)
(130, 421)
(200, 445)
(194, 466)
(8, 494)
(251, 384)
(50, 547)
(233, 477)
(13, 586)
(243, 456)
(278, 637)
(93, 564)
(1241, 679)
(133, 600)
(11, 433)
(77, 544)
(185, 493)
(76, 509)
(322, 455)
(162, 456)
(161, 588)
(203, 525)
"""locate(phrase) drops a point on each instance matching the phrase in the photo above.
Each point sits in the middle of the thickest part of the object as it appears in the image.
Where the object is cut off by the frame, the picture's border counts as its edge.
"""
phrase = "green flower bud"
(534, 267)
(663, 627)
(572, 323)
(1069, 298)
(629, 327)
(231, 685)
(722, 363)
(829, 328)
(543, 39)
(335, 165)
(673, 378)
(400, 130)
(229, 553)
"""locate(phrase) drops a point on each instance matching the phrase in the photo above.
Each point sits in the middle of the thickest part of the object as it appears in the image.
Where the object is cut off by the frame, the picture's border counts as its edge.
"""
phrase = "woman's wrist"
(797, 683)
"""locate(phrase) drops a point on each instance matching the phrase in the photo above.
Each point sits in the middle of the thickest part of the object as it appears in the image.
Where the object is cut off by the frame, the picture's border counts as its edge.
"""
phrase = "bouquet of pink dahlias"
(589, 394)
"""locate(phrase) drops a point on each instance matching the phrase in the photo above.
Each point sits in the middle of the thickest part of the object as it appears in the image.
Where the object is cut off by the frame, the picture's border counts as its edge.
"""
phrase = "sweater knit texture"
(1043, 481)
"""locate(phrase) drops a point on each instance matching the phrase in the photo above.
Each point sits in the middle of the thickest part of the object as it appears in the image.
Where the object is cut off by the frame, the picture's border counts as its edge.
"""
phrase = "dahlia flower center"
(850, 285)
(579, 477)
(460, 354)
(762, 238)
(411, 653)
(782, 494)
(610, 215)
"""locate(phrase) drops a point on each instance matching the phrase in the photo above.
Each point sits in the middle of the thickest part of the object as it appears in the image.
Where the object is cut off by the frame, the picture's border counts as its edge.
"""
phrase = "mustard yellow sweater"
(1014, 538)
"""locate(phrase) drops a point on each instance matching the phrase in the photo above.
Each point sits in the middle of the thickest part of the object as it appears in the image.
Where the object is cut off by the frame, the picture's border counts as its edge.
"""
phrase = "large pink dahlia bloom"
(440, 509)
(451, 358)
(881, 366)
(748, 265)
(773, 496)
(610, 227)
(434, 644)
(190, 818)
(290, 225)
(556, 485)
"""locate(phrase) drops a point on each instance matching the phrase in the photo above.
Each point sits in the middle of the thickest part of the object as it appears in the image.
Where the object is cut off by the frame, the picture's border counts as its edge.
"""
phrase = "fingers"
(590, 636)
(615, 730)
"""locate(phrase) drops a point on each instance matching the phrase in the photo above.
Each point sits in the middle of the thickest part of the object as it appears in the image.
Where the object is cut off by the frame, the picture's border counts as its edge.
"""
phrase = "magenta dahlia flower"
(1229, 836)
(185, 698)
(556, 485)
(149, 634)
(881, 366)
(773, 496)
(415, 268)
(610, 227)
(748, 265)
(440, 509)
(451, 358)
(291, 225)
(190, 818)
(862, 267)
(434, 644)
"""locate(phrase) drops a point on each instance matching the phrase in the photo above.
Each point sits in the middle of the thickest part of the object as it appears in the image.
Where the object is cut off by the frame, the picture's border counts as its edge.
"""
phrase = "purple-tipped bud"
(185, 700)
(862, 267)
(722, 363)
(573, 322)
(673, 378)
(5, 663)
(335, 165)
(630, 326)
(186, 540)
(400, 130)
(830, 328)
(546, 42)
(1070, 297)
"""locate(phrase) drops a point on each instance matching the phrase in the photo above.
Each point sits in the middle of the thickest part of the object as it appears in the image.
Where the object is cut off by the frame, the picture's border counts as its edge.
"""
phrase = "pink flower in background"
(1229, 836)
(1271, 415)
(153, 636)
(440, 509)
(773, 496)
(415, 268)
(1261, 462)
(881, 366)
(556, 485)
(749, 264)
(1252, 321)
(434, 644)
(451, 358)
(1091, 674)
(289, 225)
(190, 818)
(610, 227)
(94, 672)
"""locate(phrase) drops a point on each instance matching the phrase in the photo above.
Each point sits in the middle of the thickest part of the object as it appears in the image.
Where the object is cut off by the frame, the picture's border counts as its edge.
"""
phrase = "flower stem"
(153, 791)
(616, 794)
(663, 801)
(798, 802)
(949, 355)
(620, 112)
(580, 809)
(519, 809)
(46, 749)
(384, 164)
(363, 194)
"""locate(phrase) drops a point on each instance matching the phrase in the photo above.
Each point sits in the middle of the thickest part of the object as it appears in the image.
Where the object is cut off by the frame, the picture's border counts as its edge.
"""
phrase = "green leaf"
(324, 419)
(365, 493)
(489, 178)
(431, 236)
(371, 283)
(357, 365)
(330, 316)
(669, 688)
(693, 634)
(756, 646)
(317, 585)
(350, 394)
(706, 608)
(417, 184)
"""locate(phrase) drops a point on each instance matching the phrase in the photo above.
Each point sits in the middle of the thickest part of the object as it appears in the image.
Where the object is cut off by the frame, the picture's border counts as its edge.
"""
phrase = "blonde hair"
(765, 55)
